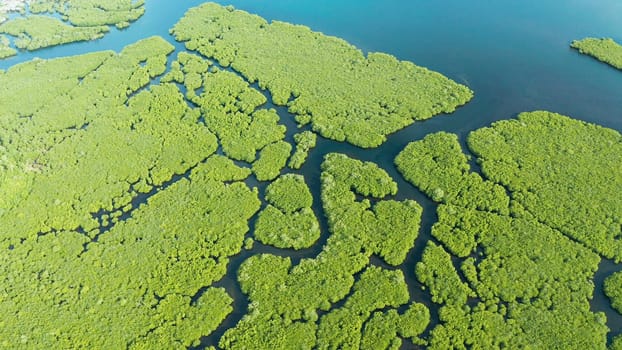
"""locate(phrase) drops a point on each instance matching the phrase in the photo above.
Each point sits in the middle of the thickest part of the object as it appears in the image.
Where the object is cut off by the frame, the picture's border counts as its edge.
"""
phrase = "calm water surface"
(515, 55)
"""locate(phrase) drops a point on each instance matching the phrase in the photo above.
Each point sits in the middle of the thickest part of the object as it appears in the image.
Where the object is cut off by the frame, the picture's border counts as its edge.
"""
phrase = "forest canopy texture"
(153, 199)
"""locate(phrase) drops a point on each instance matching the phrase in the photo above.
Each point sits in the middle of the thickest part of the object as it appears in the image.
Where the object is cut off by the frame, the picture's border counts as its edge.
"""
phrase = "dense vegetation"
(230, 110)
(305, 141)
(605, 50)
(535, 157)
(123, 199)
(5, 49)
(286, 301)
(141, 228)
(525, 248)
(350, 106)
(272, 160)
(288, 221)
(36, 31)
(613, 290)
(90, 146)
(89, 13)
(56, 22)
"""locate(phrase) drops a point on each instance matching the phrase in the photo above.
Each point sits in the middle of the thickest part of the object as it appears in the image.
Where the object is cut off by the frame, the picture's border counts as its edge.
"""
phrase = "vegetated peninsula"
(5, 48)
(45, 23)
(605, 50)
(366, 97)
(517, 249)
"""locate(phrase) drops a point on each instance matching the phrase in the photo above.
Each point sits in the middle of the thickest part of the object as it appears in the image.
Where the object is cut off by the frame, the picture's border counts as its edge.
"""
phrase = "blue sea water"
(514, 55)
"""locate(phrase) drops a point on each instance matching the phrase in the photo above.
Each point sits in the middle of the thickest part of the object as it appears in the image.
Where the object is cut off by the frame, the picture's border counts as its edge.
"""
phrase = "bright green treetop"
(605, 50)
(366, 98)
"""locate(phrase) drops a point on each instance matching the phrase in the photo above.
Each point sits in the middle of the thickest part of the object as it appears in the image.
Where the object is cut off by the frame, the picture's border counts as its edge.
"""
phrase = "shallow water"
(514, 55)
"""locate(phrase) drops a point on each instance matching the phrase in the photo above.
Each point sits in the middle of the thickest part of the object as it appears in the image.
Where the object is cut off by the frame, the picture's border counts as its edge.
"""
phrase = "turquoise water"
(515, 55)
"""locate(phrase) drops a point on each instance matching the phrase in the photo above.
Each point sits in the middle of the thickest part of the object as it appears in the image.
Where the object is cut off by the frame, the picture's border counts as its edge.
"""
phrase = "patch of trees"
(366, 98)
(151, 269)
(613, 290)
(80, 20)
(231, 110)
(288, 221)
(272, 160)
(96, 227)
(286, 300)
(439, 168)
(522, 259)
(561, 171)
(81, 149)
(605, 50)
(305, 141)
(5, 48)
(37, 31)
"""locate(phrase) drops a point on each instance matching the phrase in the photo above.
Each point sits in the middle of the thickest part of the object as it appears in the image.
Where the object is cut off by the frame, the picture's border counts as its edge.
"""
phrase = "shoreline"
(11, 6)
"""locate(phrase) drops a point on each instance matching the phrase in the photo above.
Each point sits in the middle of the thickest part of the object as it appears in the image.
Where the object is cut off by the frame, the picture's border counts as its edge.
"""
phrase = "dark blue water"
(515, 55)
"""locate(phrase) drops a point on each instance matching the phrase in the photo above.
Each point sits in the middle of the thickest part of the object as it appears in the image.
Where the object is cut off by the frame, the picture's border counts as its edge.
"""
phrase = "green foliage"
(82, 20)
(538, 154)
(437, 272)
(616, 344)
(292, 62)
(80, 155)
(289, 193)
(525, 290)
(383, 328)
(288, 222)
(285, 299)
(376, 289)
(438, 167)
(36, 31)
(389, 228)
(287, 230)
(522, 269)
(230, 108)
(270, 324)
(381, 332)
(145, 269)
(88, 13)
(57, 166)
(272, 160)
(304, 142)
(114, 207)
(221, 168)
(613, 290)
(414, 321)
(272, 334)
(5, 49)
(605, 50)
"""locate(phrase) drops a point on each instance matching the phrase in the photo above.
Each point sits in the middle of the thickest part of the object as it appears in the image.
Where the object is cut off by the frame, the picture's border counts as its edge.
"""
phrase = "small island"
(605, 50)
